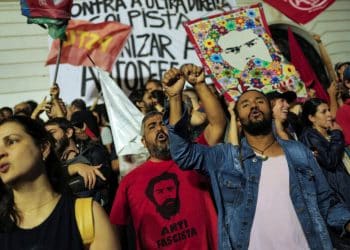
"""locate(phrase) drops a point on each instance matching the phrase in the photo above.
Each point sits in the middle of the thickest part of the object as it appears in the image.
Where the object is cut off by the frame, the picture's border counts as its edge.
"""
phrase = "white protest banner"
(125, 120)
(124, 117)
(157, 43)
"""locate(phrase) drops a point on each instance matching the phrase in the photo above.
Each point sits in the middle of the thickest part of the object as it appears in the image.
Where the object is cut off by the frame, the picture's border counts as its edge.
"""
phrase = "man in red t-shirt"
(170, 208)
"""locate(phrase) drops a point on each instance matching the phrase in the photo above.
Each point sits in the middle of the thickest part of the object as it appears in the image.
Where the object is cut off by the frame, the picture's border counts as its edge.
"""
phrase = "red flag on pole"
(47, 8)
(102, 42)
(303, 66)
(300, 11)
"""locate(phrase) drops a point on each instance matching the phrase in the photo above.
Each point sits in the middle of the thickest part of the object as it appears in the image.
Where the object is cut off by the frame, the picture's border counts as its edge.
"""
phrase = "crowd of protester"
(232, 200)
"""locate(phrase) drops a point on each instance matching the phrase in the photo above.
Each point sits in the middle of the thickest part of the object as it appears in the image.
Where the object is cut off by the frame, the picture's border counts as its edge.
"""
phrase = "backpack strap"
(84, 219)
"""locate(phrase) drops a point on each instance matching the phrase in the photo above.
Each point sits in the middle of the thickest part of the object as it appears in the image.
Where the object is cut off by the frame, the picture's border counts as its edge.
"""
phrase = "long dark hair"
(310, 108)
(8, 214)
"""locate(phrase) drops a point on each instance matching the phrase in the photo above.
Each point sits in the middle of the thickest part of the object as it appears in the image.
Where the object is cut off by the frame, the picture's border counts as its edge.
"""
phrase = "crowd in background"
(82, 142)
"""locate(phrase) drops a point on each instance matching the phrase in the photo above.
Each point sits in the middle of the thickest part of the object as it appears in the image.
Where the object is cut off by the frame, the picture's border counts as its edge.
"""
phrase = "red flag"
(102, 42)
(304, 68)
(56, 9)
(300, 11)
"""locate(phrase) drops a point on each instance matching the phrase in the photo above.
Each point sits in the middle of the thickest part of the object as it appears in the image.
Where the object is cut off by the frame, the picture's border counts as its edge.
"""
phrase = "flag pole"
(58, 60)
(99, 93)
(325, 58)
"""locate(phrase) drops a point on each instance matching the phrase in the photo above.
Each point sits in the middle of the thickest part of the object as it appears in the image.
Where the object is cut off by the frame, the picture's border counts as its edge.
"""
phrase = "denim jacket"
(329, 156)
(235, 174)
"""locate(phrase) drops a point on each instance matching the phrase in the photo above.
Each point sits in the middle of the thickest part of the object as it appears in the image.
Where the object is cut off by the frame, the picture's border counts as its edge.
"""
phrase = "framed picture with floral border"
(238, 53)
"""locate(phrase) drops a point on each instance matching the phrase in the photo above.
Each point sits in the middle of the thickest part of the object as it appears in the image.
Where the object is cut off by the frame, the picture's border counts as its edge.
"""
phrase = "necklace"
(261, 152)
(41, 205)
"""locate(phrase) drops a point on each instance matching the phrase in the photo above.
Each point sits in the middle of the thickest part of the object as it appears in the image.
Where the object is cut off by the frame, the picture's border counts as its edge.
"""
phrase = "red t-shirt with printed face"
(170, 208)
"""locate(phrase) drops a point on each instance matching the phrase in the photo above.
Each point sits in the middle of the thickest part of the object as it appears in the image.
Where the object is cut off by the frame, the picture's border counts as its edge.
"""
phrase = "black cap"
(289, 96)
(80, 117)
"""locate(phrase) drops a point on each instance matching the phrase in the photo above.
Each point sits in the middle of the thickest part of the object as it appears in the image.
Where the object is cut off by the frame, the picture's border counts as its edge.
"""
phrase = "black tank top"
(59, 231)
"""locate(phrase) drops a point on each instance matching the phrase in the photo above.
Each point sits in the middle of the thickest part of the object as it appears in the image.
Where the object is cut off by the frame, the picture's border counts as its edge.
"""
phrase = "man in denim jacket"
(270, 193)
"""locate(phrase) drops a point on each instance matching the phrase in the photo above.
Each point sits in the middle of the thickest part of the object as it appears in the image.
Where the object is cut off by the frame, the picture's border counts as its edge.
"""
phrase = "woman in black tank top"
(36, 211)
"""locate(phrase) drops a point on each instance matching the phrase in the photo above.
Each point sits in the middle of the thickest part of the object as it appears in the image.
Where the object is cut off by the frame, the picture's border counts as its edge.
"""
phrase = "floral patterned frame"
(278, 74)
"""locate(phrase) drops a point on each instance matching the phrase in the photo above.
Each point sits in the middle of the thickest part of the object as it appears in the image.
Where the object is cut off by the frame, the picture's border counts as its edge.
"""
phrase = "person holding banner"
(270, 193)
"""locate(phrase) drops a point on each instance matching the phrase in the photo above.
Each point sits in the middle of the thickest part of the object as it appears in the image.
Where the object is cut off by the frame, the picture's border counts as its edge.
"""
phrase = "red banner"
(102, 42)
(300, 11)
(303, 66)
(56, 9)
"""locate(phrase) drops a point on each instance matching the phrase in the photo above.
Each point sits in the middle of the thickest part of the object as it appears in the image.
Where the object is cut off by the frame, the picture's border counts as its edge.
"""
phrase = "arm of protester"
(93, 106)
(55, 91)
(190, 155)
(198, 118)
(233, 128)
(325, 57)
(333, 103)
(105, 234)
(217, 123)
(89, 173)
(58, 108)
(39, 109)
(280, 131)
(173, 83)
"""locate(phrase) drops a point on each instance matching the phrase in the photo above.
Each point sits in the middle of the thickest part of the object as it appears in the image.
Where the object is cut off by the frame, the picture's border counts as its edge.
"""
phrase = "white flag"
(125, 119)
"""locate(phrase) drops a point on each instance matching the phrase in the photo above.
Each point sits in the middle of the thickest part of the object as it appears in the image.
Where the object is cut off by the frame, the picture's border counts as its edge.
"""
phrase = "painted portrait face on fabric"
(239, 47)
(239, 53)
(163, 191)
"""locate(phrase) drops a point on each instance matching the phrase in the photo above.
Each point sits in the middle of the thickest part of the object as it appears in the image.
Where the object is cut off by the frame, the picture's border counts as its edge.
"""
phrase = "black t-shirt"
(59, 231)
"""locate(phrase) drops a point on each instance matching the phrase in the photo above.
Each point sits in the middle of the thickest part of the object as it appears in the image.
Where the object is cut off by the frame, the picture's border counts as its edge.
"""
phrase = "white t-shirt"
(106, 135)
(276, 225)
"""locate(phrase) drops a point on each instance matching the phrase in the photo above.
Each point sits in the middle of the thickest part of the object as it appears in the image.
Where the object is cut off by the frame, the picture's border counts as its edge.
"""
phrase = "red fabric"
(343, 119)
(90, 134)
(300, 11)
(201, 140)
(101, 41)
(194, 226)
(47, 8)
(304, 68)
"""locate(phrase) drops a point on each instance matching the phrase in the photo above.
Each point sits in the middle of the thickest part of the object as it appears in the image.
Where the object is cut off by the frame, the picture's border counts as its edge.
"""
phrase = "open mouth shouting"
(255, 114)
(162, 137)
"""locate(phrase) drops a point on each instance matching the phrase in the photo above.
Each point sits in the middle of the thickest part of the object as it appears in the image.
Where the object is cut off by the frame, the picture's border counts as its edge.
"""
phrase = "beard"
(61, 145)
(160, 151)
(169, 208)
(159, 148)
(262, 127)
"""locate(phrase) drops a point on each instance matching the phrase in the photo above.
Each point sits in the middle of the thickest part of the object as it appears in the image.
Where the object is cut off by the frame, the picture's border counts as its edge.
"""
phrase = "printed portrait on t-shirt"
(163, 191)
